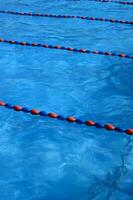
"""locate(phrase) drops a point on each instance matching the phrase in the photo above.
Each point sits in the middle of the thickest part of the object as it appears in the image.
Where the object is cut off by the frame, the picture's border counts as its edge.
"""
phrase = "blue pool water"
(46, 159)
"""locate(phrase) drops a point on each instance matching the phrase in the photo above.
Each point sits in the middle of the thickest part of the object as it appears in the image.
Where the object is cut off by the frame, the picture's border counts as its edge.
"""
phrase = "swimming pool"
(43, 158)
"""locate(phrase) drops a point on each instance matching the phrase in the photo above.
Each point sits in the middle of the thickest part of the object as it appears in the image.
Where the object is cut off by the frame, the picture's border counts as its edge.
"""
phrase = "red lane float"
(71, 119)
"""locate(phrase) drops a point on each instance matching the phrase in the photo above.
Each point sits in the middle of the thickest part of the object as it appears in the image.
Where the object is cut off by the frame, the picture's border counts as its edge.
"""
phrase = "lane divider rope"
(70, 119)
(107, 53)
(67, 16)
(109, 1)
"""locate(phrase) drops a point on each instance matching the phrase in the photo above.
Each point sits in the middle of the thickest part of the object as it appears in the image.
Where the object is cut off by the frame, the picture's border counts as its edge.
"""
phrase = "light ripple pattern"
(43, 159)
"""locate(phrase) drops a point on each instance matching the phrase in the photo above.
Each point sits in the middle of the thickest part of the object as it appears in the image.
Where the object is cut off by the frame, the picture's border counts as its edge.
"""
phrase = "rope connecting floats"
(109, 1)
(67, 16)
(107, 53)
(70, 119)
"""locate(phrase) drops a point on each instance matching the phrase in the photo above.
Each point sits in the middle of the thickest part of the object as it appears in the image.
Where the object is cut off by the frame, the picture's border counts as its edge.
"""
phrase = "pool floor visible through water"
(42, 158)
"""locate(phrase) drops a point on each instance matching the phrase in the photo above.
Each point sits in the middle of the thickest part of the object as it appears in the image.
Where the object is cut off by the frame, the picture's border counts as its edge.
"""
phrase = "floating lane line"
(70, 119)
(110, 1)
(67, 16)
(107, 53)
(107, 1)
